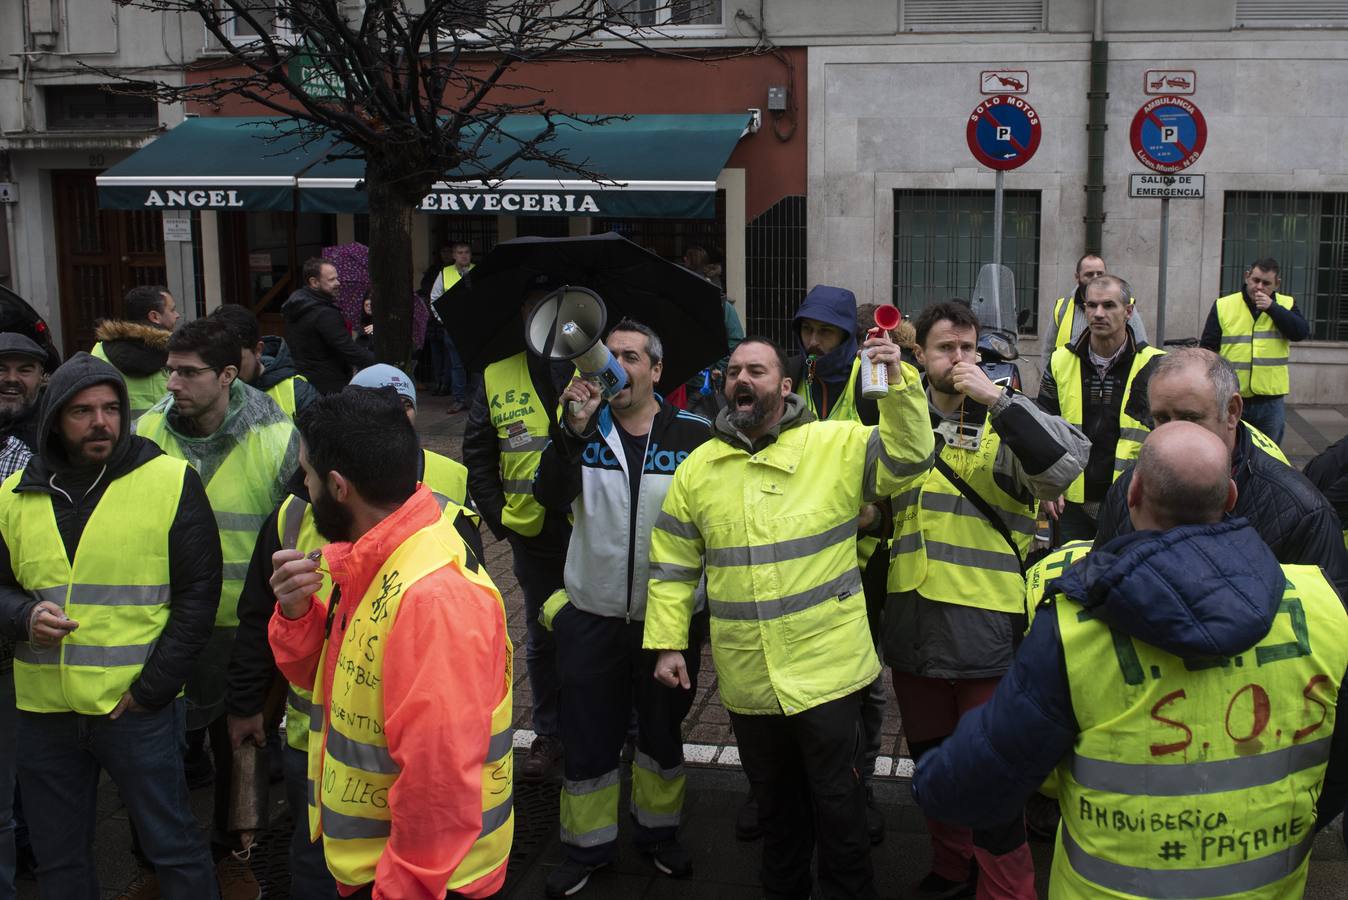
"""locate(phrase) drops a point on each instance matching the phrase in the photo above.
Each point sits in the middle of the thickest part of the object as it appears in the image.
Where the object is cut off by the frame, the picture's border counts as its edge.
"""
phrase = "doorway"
(101, 254)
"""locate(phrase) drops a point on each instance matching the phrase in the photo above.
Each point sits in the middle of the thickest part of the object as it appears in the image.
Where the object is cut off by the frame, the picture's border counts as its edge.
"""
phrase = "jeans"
(61, 755)
(8, 715)
(309, 875)
(539, 576)
(453, 374)
(1268, 414)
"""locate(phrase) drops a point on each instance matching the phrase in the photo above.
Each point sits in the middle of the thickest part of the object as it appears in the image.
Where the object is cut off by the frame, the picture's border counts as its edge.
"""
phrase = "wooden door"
(101, 254)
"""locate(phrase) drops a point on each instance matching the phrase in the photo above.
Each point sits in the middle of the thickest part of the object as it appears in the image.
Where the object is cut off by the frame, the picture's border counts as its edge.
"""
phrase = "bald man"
(1184, 684)
(1294, 519)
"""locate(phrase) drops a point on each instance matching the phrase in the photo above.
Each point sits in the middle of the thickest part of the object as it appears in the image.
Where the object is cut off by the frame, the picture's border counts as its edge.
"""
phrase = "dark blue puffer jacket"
(1194, 591)
(833, 306)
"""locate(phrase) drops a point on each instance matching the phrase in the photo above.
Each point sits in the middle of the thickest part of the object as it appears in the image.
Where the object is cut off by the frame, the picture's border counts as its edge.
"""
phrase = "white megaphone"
(569, 324)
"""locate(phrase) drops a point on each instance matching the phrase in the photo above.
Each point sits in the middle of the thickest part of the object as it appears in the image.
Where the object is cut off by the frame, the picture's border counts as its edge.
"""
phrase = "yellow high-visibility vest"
(242, 491)
(521, 423)
(946, 550)
(1254, 346)
(117, 588)
(1066, 368)
(351, 748)
(1198, 778)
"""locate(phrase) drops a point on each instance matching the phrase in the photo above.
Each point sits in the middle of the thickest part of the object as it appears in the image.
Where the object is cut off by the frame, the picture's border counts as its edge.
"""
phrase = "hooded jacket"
(1196, 591)
(837, 307)
(194, 541)
(277, 366)
(1292, 517)
(318, 338)
(136, 349)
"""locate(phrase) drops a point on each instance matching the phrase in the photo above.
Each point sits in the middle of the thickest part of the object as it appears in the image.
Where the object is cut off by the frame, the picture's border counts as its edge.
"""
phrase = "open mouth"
(743, 400)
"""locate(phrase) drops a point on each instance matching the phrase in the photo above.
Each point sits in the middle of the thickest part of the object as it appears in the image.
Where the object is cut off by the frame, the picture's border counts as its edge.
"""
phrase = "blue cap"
(382, 375)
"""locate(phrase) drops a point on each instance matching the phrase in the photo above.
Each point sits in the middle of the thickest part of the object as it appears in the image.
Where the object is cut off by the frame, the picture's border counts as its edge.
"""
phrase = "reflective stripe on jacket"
(1254, 346)
(117, 588)
(1198, 777)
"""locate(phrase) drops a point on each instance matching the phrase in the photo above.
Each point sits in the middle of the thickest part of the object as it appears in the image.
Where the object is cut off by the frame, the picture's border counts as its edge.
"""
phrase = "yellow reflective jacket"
(777, 529)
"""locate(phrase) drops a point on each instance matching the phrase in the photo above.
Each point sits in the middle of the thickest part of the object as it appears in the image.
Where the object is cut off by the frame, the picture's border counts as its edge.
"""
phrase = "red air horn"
(875, 376)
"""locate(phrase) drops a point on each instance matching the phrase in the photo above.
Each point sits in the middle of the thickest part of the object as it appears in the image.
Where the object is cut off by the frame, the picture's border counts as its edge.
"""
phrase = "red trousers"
(930, 708)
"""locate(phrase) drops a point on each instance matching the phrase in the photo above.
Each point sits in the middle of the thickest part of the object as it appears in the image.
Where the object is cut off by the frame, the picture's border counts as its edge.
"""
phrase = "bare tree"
(415, 89)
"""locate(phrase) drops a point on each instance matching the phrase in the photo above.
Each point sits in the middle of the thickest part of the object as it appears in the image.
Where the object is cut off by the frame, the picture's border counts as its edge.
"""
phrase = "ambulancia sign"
(508, 202)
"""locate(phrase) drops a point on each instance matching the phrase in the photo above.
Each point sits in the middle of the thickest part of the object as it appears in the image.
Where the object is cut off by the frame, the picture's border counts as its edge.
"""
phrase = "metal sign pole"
(997, 218)
(1160, 275)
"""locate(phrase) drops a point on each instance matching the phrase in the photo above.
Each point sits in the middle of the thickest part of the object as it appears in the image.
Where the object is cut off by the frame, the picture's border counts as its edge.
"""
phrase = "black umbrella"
(482, 311)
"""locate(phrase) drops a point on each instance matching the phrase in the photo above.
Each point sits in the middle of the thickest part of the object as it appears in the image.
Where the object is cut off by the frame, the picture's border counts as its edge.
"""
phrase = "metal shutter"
(971, 15)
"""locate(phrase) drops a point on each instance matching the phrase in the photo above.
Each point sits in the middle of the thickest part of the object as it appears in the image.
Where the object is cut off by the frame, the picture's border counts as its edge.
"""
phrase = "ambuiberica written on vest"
(1199, 777)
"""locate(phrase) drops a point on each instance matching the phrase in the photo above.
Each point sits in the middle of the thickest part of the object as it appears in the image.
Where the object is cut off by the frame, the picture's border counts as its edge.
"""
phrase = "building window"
(1292, 13)
(1308, 235)
(665, 13)
(671, 237)
(774, 270)
(90, 107)
(246, 20)
(942, 239)
(971, 15)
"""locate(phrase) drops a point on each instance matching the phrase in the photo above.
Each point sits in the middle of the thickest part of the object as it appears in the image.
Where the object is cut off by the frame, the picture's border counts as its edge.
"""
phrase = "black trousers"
(803, 772)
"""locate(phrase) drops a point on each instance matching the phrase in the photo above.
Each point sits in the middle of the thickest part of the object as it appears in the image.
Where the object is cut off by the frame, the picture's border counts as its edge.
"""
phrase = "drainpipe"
(1097, 93)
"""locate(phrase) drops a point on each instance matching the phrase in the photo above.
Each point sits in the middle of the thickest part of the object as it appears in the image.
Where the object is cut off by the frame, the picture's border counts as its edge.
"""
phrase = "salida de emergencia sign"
(1174, 187)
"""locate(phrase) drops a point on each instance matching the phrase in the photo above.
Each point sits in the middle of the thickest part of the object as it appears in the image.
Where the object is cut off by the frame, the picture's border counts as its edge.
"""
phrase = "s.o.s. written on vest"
(1184, 732)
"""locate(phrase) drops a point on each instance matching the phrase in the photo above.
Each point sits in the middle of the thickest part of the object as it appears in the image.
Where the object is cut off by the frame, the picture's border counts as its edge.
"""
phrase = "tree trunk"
(390, 263)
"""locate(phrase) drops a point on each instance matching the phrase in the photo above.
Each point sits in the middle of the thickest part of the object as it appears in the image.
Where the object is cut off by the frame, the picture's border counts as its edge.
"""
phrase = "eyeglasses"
(187, 371)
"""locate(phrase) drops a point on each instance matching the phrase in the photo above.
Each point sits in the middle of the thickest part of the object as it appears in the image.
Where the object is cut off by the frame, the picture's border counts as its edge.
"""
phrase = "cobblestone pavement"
(1309, 430)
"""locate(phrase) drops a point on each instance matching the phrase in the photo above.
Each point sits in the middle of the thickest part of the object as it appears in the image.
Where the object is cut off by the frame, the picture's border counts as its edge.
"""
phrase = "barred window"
(942, 239)
(1307, 233)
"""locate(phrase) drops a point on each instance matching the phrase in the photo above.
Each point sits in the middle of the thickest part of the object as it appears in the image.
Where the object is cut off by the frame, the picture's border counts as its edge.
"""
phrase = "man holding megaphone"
(610, 464)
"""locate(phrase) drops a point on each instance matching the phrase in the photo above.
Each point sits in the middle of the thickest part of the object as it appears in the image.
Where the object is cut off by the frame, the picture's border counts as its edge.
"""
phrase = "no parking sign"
(1168, 134)
(1003, 132)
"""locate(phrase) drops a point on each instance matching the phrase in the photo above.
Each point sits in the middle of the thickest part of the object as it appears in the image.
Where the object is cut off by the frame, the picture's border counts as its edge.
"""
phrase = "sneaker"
(236, 878)
(875, 820)
(543, 756)
(569, 878)
(145, 886)
(936, 887)
(671, 858)
(746, 823)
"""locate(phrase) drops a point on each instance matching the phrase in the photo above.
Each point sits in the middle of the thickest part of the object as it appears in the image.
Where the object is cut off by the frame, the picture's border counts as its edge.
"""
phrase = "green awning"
(224, 162)
(648, 166)
(661, 166)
